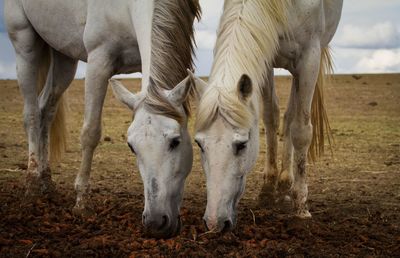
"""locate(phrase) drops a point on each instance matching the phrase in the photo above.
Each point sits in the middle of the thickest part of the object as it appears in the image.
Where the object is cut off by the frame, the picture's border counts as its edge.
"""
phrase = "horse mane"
(173, 45)
(247, 43)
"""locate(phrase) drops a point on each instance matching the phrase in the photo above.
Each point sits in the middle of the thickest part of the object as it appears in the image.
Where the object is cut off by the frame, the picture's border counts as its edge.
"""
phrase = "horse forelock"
(247, 43)
(172, 48)
(216, 102)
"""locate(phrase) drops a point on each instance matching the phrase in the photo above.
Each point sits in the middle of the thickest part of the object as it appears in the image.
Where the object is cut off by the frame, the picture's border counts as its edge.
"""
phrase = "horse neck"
(172, 41)
(172, 46)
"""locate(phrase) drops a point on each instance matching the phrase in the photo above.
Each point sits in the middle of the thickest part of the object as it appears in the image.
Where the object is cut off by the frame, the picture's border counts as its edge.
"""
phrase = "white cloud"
(205, 39)
(211, 12)
(380, 35)
(207, 27)
(382, 60)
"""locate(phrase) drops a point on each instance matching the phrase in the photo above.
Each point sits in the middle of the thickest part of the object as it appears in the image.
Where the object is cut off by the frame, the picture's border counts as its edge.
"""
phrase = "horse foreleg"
(301, 127)
(271, 124)
(97, 74)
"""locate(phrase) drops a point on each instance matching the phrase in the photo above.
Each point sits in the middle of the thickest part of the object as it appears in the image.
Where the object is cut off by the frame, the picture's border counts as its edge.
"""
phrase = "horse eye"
(198, 144)
(130, 147)
(239, 147)
(174, 143)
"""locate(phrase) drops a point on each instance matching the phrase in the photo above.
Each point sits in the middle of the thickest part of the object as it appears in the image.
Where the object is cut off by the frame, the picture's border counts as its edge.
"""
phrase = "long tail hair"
(58, 130)
(319, 117)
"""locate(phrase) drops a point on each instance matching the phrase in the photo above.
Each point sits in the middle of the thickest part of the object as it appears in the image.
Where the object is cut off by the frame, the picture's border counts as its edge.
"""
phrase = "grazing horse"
(113, 37)
(255, 36)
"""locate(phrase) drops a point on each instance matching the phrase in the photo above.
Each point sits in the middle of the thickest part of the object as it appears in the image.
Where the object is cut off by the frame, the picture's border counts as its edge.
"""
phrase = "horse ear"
(180, 92)
(245, 87)
(199, 85)
(123, 95)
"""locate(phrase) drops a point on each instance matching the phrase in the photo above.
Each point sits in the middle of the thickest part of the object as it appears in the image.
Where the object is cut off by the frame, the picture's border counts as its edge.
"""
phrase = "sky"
(367, 39)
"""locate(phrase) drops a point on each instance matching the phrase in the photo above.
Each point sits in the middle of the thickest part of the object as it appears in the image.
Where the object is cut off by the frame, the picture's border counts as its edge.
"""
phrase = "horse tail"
(319, 117)
(58, 130)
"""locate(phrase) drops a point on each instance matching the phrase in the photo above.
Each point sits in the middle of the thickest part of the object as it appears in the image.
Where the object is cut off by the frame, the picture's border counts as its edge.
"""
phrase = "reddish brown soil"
(354, 195)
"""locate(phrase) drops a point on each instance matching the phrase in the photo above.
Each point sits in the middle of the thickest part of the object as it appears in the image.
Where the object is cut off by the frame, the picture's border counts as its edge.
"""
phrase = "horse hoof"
(267, 195)
(83, 211)
(39, 187)
(304, 214)
(284, 204)
(284, 186)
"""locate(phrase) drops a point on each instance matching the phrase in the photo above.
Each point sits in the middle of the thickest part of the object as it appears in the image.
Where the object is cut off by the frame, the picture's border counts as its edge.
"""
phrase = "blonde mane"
(171, 54)
(247, 43)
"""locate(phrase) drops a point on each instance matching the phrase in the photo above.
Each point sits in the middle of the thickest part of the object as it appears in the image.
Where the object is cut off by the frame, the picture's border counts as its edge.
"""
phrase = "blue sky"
(367, 40)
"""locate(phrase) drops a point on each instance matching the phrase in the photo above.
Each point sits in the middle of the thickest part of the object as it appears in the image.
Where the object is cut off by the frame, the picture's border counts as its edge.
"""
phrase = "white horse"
(113, 37)
(254, 36)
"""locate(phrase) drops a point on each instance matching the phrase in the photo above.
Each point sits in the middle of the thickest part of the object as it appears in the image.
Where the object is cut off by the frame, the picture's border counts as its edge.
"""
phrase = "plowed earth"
(354, 195)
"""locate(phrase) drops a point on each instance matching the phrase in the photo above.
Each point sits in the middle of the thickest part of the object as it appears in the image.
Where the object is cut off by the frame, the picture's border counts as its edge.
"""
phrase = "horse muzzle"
(161, 226)
(221, 224)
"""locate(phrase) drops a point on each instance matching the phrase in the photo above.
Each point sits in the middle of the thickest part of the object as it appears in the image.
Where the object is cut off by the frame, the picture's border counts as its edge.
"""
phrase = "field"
(354, 194)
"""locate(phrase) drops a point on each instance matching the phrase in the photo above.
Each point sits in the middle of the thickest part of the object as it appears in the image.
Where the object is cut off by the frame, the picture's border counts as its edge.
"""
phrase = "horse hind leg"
(285, 176)
(29, 48)
(286, 179)
(271, 123)
(60, 75)
(36, 69)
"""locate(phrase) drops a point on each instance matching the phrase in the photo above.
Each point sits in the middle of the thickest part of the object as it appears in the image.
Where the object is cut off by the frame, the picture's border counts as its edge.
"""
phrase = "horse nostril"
(164, 222)
(205, 224)
(144, 219)
(227, 226)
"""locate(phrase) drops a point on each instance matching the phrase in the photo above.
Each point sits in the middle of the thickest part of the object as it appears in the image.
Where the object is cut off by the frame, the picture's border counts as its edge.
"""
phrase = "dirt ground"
(354, 195)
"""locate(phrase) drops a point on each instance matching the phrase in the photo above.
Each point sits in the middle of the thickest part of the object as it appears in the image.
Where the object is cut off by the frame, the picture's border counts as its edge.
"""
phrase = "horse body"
(113, 37)
(255, 36)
